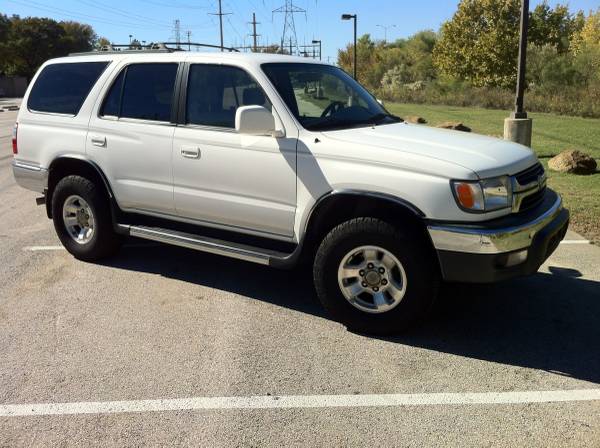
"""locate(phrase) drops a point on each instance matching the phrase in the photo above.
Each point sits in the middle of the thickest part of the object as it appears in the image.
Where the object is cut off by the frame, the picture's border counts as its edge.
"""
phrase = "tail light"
(14, 139)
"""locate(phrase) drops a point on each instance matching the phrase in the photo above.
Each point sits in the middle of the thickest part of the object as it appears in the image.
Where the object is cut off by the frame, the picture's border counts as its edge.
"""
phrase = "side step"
(211, 245)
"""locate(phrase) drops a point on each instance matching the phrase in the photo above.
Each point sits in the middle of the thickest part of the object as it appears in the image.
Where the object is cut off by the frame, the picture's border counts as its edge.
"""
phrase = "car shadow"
(547, 322)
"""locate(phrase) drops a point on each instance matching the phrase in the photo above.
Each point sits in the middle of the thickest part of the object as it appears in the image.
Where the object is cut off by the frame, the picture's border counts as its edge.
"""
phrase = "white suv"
(275, 160)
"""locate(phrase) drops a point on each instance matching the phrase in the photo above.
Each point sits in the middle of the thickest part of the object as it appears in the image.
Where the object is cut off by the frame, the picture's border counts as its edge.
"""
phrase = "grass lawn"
(551, 135)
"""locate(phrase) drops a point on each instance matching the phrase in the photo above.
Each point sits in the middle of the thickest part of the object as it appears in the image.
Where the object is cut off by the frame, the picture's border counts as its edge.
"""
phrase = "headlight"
(483, 196)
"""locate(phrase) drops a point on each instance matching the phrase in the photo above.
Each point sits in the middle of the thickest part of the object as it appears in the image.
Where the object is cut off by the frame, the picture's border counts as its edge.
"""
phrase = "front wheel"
(82, 219)
(374, 277)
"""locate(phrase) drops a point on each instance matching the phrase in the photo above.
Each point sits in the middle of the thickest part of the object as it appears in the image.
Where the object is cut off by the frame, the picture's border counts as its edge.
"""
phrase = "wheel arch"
(339, 206)
(75, 164)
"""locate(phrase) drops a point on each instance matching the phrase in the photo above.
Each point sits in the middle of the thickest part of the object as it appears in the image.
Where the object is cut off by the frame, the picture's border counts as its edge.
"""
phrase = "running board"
(210, 245)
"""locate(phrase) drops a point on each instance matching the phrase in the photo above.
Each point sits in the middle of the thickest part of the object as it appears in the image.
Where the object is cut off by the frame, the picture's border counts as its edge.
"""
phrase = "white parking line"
(575, 242)
(40, 248)
(298, 401)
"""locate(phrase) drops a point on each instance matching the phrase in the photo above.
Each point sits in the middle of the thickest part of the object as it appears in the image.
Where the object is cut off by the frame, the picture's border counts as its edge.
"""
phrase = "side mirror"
(255, 120)
(379, 101)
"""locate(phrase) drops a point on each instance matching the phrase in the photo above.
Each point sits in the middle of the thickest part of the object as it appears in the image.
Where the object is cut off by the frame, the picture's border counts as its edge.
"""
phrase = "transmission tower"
(177, 33)
(289, 27)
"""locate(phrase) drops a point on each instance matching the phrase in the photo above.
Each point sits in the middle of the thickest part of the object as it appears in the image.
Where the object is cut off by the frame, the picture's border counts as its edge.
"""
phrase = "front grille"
(530, 174)
(532, 200)
(529, 187)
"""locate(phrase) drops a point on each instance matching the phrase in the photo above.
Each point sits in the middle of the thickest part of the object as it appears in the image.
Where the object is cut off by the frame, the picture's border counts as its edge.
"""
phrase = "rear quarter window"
(62, 88)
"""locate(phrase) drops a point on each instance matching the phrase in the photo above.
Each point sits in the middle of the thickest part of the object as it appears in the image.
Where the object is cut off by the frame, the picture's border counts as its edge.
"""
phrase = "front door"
(242, 182)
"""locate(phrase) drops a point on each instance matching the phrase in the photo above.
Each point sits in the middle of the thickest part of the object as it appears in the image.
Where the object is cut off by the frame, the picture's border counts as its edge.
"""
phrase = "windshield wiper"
(377, 118)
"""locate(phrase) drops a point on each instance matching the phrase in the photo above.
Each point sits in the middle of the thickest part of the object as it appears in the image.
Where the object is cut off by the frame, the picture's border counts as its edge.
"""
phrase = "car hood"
(486, 156)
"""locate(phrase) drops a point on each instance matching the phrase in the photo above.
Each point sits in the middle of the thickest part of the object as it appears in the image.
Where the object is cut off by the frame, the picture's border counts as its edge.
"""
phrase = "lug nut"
(375, 289)
(381, 270)
(370, 265)
(364, 284)
(361, 272)
(384, 282)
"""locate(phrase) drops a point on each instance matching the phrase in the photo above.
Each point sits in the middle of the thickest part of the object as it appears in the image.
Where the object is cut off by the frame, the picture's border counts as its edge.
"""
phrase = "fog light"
(516, 258)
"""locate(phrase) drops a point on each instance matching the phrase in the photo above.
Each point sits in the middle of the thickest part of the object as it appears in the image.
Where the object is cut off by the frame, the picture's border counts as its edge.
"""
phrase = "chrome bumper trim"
(30, 176)
(491, 241)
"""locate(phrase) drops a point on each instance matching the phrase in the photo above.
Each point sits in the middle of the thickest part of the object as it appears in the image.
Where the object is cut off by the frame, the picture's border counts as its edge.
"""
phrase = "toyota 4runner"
(278, 160)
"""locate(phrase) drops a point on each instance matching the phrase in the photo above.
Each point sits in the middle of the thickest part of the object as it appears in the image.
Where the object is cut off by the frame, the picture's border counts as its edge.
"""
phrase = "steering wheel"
(333, 108)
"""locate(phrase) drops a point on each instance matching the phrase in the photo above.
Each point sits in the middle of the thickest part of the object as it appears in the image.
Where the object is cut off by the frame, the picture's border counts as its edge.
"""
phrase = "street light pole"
(519, 110)
(385, 28)
(348, 17)
(518, 127)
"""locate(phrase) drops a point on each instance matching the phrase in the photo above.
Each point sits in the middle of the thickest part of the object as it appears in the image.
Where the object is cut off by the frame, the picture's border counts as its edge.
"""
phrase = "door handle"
(190, 152)
(98, 141)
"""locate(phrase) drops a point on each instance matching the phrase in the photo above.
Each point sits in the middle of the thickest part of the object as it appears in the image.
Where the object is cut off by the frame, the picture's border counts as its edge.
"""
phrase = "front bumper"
(30, 176)
(501, 248)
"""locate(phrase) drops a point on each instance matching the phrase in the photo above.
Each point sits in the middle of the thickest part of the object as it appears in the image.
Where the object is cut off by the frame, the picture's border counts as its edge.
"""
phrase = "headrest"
(253, 96)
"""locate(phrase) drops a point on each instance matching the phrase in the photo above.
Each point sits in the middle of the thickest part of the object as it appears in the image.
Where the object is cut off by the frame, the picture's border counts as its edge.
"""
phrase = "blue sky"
(152, 20)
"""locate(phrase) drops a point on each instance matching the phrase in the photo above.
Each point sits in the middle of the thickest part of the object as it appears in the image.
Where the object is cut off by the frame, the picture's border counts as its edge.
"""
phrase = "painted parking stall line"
(298, 401)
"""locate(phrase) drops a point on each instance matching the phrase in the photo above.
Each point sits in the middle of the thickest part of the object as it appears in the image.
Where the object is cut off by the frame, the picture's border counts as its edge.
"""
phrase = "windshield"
(323, 97)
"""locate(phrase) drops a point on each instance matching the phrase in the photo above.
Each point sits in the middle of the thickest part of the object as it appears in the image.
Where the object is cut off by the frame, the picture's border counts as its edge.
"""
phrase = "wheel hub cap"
(78, 219)
(372, 279)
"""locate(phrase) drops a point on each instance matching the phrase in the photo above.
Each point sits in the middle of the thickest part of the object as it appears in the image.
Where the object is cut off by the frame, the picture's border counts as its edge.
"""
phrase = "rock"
(415, 119)
(572, 161)
(455, 125)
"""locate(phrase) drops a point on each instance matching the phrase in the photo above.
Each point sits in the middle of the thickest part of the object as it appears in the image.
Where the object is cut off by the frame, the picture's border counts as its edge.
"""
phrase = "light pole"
(385, 28)
(517, 127)
(348, 17)
(315, 41)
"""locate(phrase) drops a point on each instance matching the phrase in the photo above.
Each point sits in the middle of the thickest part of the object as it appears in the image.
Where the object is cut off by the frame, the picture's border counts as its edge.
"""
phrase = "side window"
(62, 88)
(215, 92)
(112, 103)
(143, 91)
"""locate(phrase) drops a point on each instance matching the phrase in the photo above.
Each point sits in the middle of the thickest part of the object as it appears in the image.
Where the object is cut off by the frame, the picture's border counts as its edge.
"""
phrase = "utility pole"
(189, 33)
(254, 35)
(220, 14)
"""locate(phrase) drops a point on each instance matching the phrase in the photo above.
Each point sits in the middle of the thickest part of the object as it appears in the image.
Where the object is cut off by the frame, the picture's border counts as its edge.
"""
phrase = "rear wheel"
(82, 219)
(374, 277)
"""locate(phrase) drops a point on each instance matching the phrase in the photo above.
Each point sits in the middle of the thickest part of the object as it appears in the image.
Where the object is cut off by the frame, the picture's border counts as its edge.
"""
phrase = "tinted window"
(147, 93)
(112, 103)
(62, 88)
(325, 97)
(215, 92)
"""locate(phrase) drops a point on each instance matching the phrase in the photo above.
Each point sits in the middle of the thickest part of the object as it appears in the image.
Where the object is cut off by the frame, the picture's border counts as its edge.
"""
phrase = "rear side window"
(62, 88)
(215, 92)
(142, 91)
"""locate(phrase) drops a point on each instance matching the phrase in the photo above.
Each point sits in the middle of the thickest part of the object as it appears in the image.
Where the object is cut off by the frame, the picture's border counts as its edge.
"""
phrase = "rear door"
(131, 136)
(224, 178)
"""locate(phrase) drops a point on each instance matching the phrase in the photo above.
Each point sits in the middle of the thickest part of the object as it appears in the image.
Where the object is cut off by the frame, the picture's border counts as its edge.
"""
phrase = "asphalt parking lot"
(165, 346)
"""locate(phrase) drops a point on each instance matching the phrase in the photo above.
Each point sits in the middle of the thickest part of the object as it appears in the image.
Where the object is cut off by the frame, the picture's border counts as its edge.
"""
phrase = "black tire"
(104, 242)
(408, 246)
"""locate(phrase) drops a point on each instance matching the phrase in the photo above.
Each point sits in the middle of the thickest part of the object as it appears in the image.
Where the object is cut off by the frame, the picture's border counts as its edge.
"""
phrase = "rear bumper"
(502, 248)
(30, 176)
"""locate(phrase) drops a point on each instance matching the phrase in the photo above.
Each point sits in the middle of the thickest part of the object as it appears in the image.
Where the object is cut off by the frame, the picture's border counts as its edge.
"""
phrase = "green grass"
(551, 135)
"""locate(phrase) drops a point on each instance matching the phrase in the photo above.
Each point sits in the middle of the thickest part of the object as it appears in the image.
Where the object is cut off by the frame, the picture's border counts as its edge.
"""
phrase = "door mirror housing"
(256, 120)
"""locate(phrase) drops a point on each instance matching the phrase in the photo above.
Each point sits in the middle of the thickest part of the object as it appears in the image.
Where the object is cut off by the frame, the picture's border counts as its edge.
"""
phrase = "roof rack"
(159, 47)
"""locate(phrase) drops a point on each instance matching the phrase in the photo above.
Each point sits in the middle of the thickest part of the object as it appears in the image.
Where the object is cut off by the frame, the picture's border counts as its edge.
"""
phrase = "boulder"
(415, 119)
(455, 125)
(572, 161)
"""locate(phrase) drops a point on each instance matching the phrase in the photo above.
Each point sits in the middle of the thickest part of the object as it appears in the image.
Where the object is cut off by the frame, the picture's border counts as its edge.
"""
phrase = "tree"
(480, 42)
(554, 27)
(589, 34)
(25, 44)
(78, 37)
